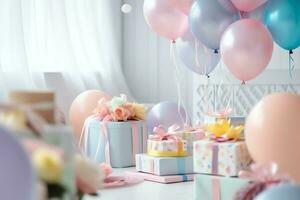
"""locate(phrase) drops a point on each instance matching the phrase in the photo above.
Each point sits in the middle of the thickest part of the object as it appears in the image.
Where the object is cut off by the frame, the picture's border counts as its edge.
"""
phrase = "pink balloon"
(83, 107)
(246, 48)
(272, 133)
(182, 5)
(164, 19)
(248, 5)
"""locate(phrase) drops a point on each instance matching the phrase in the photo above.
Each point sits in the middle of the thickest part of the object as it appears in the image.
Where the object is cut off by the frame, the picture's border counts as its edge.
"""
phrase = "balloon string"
(197, 53)
(291, 64)
(177, 78)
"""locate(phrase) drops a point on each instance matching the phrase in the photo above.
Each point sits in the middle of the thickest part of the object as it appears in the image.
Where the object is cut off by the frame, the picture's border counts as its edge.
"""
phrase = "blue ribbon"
(181, 165)
(185, 178)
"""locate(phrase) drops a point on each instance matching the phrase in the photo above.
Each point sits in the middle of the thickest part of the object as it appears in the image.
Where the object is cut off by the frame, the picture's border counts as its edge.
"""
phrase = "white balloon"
(126, 8)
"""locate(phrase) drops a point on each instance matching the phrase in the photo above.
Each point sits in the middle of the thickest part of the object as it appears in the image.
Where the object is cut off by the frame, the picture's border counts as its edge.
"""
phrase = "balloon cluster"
(242, 31)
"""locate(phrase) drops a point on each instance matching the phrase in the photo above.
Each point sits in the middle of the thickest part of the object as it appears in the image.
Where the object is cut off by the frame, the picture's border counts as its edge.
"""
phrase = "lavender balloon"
(165, 114)
(195, 55)
(209, 18)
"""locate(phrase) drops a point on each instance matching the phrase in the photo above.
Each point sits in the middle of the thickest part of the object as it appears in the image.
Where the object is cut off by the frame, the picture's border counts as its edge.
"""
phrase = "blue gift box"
(217, 187)
(162, 166)
(122, 139)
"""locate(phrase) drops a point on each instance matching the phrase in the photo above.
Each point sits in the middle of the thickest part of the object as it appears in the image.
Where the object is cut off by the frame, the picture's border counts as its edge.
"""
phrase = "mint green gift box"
(208, 187)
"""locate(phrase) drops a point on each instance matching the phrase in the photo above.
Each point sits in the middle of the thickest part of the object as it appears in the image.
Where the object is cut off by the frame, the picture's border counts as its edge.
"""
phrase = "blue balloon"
(282, 17)
(208, 20)
(281, 192)
(195, 56)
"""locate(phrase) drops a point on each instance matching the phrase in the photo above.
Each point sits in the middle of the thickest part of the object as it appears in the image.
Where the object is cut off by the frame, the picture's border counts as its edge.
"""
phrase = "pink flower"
(120, 114)
(89, 176)
(102, 109)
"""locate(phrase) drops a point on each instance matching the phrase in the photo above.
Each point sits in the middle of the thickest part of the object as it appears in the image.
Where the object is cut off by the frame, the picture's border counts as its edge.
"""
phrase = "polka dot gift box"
(220, 158)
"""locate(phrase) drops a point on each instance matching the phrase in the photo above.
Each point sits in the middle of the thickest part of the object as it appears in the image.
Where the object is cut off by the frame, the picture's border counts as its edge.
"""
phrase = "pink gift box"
(162, 179)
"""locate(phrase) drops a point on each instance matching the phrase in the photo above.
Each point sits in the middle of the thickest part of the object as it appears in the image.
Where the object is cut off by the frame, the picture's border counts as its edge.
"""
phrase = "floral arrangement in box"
(119, 109)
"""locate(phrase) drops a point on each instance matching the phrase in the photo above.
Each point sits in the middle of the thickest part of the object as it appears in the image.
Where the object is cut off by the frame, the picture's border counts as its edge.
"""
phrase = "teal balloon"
(282, 17)
(281, 192)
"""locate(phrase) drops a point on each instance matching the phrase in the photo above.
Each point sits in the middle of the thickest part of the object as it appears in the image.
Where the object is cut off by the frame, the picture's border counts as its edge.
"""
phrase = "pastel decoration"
(182, 5)
(246, 48)
(248, 5)
(166, 114)
(18, 181)
(209, 19)
(162, 166)
(262, 178)
(282, 19)
(272, 132)
(221, 158)
(279, 192)
(115, 143)
(217, 187)
(195, 56)
(191, 135)
(82, 107)
(162, 179)
(164, 19)
(163, 144)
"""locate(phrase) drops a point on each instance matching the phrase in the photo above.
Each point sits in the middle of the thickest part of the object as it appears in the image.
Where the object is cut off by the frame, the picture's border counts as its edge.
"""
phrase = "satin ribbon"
(104, 131)
(161, 134)
(264, 173)
(221, 114)
(216, 189)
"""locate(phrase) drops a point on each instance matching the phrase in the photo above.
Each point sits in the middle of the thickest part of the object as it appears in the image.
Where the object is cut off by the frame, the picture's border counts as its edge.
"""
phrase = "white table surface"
(147, 191)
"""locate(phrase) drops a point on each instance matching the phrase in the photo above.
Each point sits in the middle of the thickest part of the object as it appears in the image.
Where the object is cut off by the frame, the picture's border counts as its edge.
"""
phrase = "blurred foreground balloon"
(209, 18)
(164, 19)
(282, 17)
(166, 114)
(83, 107)
(195, 55)
(272, 133)
(246, 48)
(281, 192)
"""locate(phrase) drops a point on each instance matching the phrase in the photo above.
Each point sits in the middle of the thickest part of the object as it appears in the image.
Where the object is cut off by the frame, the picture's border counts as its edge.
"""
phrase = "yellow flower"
(139, 111)
(234, 132)
(219, 128)
(49, 165)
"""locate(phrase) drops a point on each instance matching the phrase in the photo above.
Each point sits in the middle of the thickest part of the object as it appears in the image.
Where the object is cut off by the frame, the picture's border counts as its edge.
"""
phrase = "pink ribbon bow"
(161, 134)
(222, 113)
(263, 173)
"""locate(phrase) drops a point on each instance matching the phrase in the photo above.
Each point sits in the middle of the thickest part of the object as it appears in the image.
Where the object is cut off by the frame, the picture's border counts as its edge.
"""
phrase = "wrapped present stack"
(220, 157)
(169, 155)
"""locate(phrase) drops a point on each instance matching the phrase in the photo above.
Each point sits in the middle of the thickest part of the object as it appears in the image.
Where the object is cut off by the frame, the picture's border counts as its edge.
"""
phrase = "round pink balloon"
(246, 48)
(164, 19)
(182, 5)
(248, 5)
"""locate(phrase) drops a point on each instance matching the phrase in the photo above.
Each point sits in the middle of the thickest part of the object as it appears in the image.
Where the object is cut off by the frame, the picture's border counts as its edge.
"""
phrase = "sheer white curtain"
(65, 45)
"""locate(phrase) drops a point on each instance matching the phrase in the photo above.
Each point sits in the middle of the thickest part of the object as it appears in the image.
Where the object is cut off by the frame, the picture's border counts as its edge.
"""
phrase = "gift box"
(221, 158)
(165, 144)
(164, 165)
(114, 142)
(40, 102)
(191, 136)
(162, 179)
(216, 187)
(234, 120)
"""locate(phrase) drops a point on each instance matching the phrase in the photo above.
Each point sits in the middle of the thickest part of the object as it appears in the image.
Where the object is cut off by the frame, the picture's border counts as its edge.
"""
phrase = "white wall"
(148, 68)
